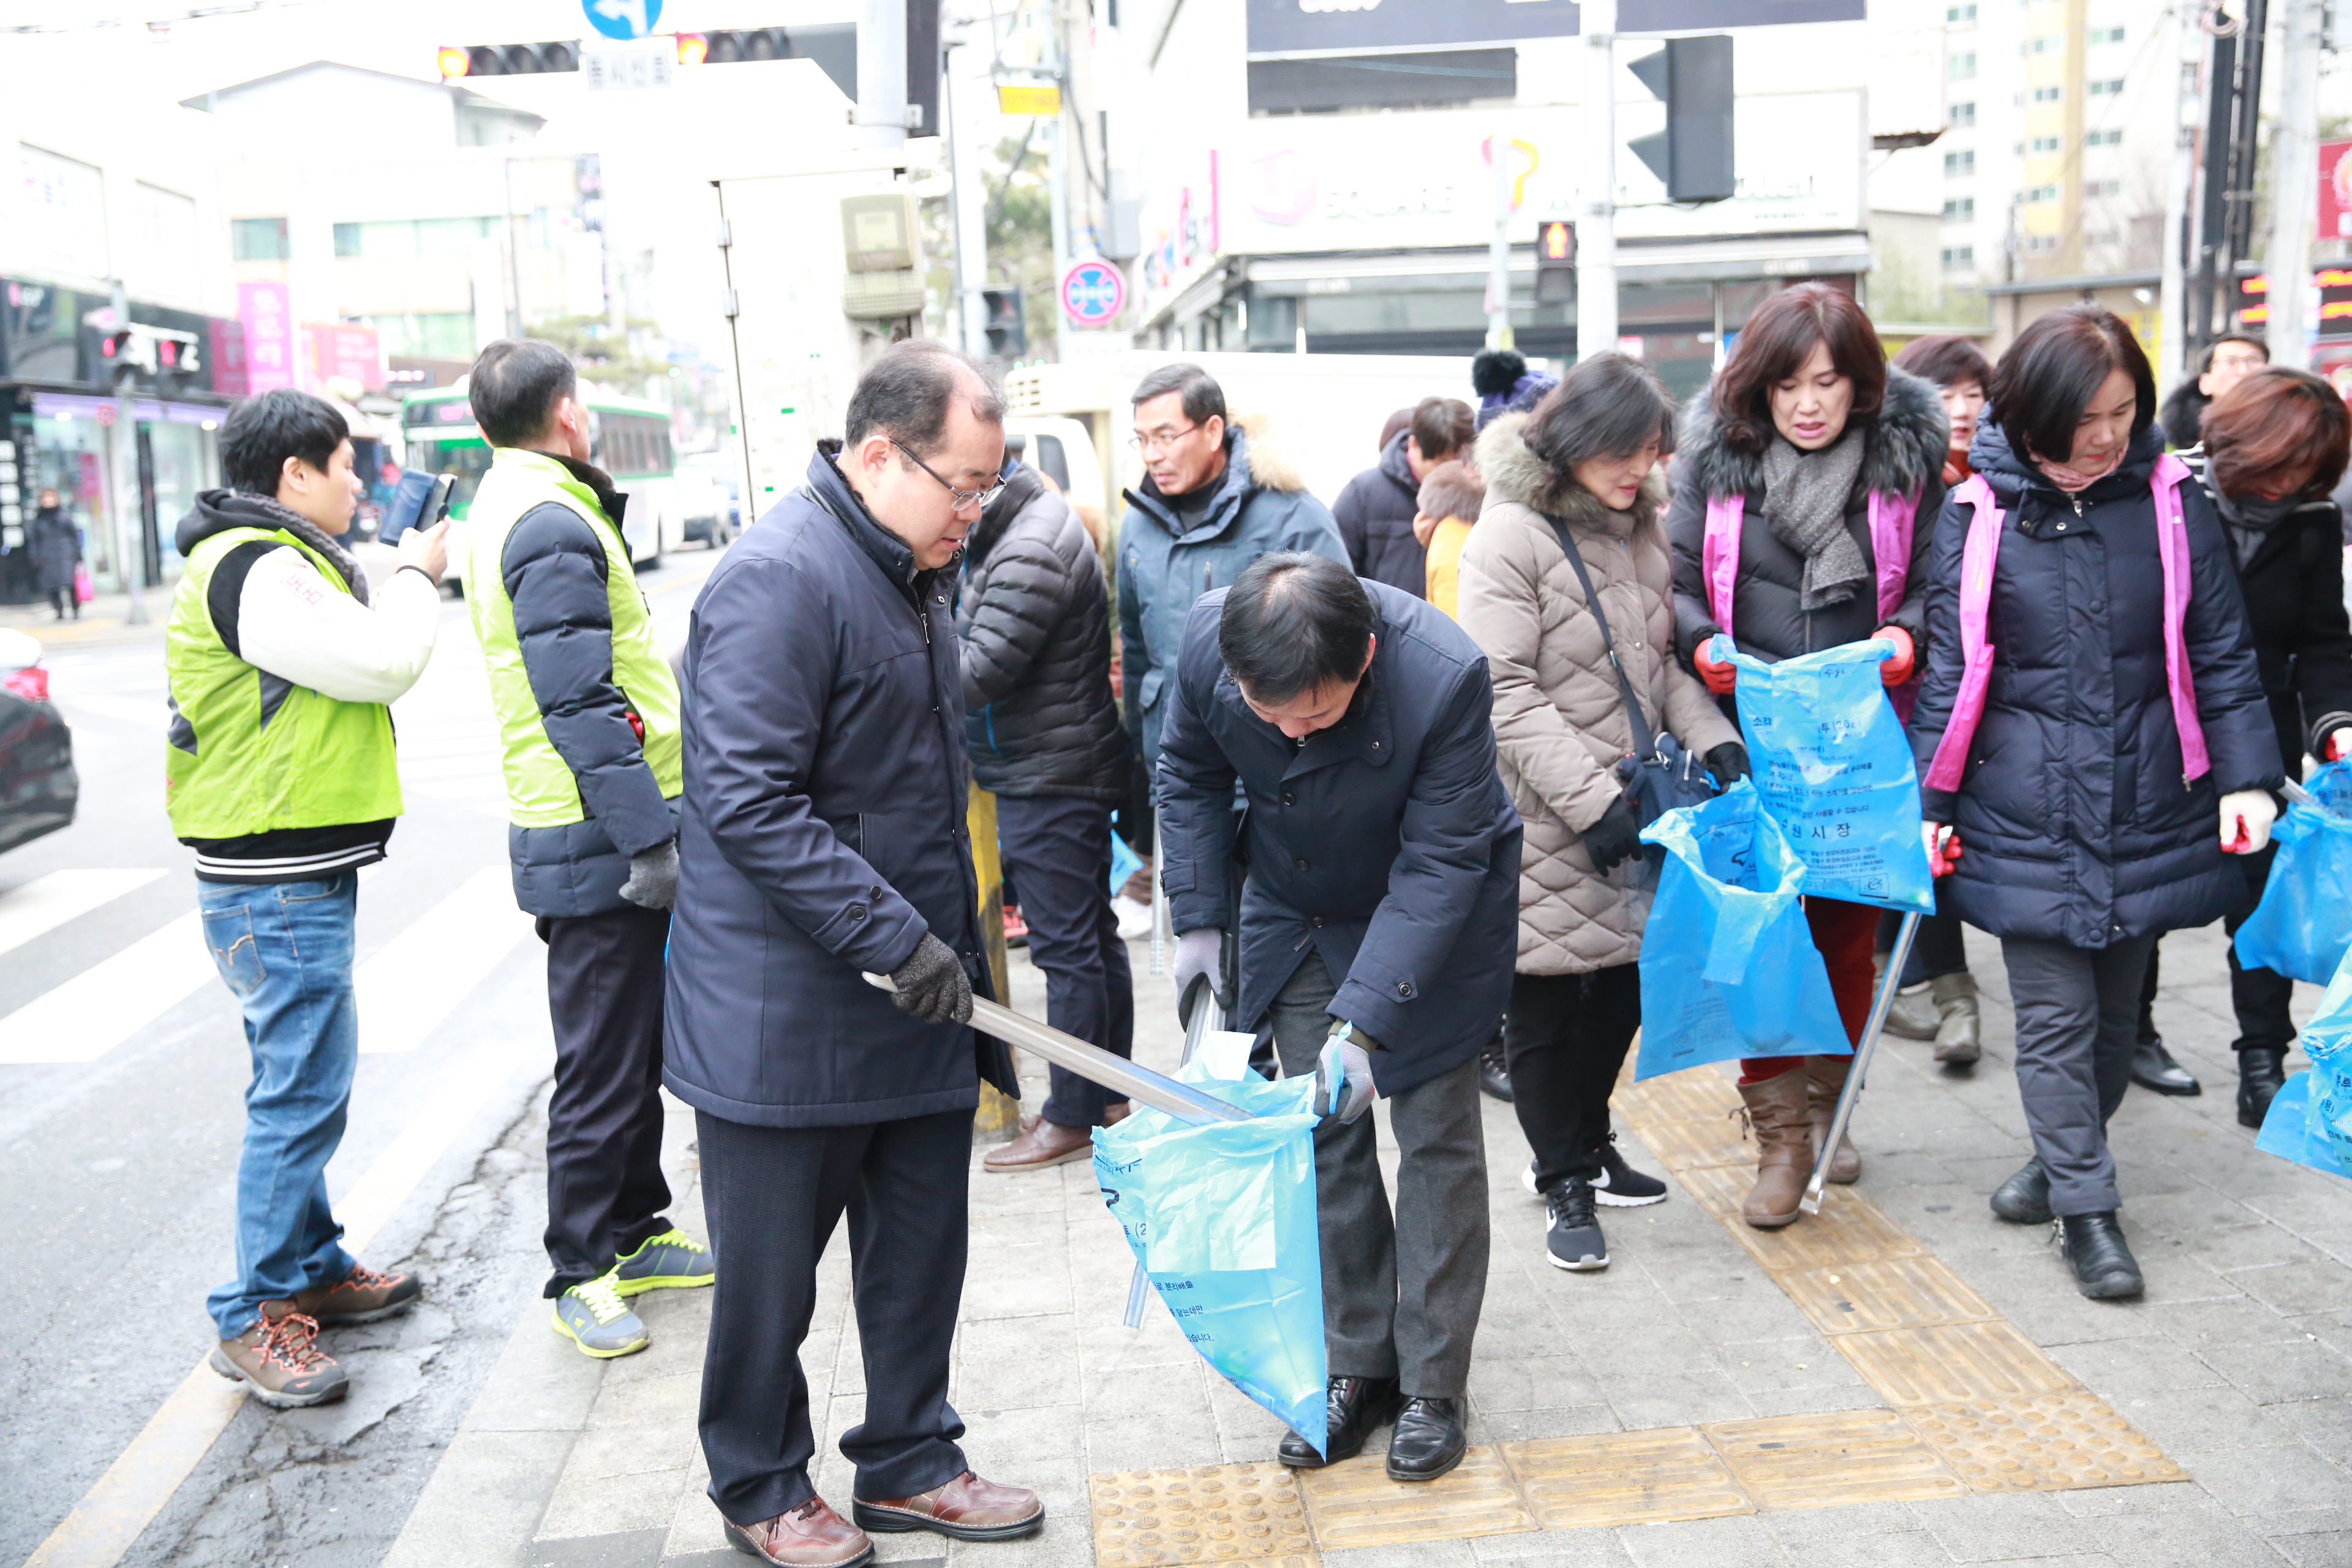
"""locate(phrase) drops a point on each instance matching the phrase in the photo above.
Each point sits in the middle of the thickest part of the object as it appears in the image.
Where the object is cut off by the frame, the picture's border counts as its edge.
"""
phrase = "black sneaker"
(1494, 1071)
(1619, 1186)
(1573, 1235)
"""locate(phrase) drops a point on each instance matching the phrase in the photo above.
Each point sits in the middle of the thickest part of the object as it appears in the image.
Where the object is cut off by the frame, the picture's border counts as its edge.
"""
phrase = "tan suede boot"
(1824, 1082)
(1784, 1139)
(1957, 1039)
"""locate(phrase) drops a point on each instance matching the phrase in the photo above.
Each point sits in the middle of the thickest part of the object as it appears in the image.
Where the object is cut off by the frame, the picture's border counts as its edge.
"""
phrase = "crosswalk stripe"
(45, 903)
(417, 978)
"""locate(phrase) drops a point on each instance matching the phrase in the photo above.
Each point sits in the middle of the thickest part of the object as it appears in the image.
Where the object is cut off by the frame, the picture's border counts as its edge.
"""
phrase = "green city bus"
(629, 438)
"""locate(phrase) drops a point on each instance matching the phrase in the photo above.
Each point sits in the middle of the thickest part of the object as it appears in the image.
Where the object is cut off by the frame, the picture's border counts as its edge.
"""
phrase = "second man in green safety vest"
(587, 713)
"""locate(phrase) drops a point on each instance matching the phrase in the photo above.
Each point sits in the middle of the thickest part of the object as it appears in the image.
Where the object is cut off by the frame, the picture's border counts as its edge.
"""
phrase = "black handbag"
(1661, 775)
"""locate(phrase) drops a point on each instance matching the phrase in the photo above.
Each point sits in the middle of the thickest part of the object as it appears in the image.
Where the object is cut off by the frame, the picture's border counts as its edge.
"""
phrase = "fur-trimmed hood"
(1904, 447)
(1513, 473)
(1267, 462)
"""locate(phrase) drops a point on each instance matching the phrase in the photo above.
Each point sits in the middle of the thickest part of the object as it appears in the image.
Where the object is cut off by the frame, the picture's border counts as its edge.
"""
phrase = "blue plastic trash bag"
(1728, 965)
(1835, 767)
(1124, 863)
(2303, 927)
(2310, 1119)
(1223, 1219)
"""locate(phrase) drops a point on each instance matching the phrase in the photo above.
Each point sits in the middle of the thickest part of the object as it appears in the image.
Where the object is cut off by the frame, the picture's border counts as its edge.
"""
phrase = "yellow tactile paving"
(1692, 1145)
(1209, 1513)
(1955, 1362)
(1849, 1229)
(1899, 1294)
(1824, 1461)
(2048, 1443)
(1354, 1503)
(1624, 1478)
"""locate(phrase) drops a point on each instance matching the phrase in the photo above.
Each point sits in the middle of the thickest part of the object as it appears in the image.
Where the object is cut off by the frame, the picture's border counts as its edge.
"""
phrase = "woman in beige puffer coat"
(1587, 457)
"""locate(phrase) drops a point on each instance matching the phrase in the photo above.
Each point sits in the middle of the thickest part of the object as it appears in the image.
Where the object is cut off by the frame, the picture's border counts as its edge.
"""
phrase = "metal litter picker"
(1879, 1004)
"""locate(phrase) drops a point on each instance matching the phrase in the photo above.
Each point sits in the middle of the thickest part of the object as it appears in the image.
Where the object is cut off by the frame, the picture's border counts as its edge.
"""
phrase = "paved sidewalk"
(1854, 1390)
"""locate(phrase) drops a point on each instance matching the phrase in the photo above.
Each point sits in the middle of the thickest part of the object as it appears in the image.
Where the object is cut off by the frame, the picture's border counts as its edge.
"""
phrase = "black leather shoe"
(2104, 1266)
(2154, 1068)
(1352, 1407)
(2261, 1073)
(1494, 1073)
(2024, 1198)
(1427, 1441)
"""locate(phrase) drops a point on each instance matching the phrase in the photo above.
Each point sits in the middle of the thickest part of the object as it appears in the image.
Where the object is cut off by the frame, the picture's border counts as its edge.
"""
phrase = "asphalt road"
(123, 1070)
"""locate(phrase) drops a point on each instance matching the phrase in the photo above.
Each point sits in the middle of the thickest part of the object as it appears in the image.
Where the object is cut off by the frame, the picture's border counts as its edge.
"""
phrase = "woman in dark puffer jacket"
(2093, 727)
(1043, 733)
(1807, 482)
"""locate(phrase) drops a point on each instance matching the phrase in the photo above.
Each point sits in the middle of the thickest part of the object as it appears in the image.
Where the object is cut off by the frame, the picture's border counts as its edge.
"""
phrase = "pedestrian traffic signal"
(1693, 153)
(1555, 262)
(508, 60)
(1008, 326)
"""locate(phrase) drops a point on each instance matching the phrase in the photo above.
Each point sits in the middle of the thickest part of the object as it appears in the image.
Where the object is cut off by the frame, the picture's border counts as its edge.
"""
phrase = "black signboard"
(59, 337)
(1319, 27)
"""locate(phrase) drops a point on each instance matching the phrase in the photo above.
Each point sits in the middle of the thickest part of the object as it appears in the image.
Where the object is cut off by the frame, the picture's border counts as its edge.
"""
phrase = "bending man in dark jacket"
(823, 838)
(1375, 510)
(1043, 733)
(590, 715)
(1378, 926)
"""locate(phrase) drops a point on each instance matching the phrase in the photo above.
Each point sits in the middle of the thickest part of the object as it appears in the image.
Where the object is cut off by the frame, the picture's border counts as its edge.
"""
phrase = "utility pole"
(968, 201)
(1498, 250)
(514, 261)
(1058, 153)
(2172, 302)
(2294, 183)
(1596, 230)
(881, 112)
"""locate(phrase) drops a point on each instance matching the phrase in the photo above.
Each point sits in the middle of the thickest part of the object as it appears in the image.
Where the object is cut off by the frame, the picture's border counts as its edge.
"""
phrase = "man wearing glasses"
(823, 838)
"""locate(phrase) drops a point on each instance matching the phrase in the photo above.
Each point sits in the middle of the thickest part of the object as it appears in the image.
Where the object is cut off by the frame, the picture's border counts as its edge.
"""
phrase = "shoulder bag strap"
(1644, 739)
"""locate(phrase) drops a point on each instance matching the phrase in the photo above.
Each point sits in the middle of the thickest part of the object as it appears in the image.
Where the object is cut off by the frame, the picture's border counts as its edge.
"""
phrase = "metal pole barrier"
(1888, 982)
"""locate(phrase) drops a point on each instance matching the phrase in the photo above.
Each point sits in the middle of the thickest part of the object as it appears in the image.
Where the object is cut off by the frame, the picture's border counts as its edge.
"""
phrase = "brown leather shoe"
(1042, 1143)
(362, 1298)
(1784, 1157)
(966, 1508)
(809, 1536)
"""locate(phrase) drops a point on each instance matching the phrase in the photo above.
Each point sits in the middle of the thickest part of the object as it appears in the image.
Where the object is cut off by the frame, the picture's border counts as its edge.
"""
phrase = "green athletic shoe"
(672, 1260)
(593, 1317)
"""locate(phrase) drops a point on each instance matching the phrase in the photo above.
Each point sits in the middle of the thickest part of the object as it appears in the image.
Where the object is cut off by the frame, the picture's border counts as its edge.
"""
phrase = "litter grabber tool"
(1202, 1012)
(1879, 1005)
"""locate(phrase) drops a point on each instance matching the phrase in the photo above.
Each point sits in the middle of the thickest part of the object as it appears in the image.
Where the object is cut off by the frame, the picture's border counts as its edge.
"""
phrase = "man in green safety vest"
(588, 713)
(279, 774)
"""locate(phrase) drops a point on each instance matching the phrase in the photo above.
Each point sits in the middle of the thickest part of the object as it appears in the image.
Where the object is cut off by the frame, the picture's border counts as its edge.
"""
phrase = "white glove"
(1198, 953)
(2246, 818)
(1343, 1077)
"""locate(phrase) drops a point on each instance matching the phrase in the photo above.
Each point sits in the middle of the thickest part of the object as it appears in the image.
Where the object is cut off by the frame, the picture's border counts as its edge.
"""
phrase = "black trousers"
(1935, 951)
(1565, 1039)
(773, 1195)
(1059, 847)
(605, 1192)
(2263, 999)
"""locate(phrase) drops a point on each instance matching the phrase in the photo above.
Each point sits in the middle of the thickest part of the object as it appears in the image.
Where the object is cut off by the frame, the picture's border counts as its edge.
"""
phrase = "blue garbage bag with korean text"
(1223, 1219)
(2303, 927)
(1728, 965)
(2310, 1119)
(1835, 767)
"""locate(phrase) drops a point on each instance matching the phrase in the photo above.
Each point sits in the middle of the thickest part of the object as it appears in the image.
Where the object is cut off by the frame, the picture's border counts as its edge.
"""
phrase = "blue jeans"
(285, 950)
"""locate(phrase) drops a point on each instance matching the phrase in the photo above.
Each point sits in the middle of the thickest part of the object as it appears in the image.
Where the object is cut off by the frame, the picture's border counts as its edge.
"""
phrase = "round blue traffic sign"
(623, 18)
(1093, 293)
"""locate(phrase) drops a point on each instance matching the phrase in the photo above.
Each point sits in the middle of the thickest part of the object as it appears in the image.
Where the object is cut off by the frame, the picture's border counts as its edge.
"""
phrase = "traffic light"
(832, 44)
(507, 59)
(1008, 326)
(1556, 262)
(1693, 153)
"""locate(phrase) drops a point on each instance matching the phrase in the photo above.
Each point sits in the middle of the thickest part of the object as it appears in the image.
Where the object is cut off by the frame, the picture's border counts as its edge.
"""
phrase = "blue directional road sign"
(623, 18)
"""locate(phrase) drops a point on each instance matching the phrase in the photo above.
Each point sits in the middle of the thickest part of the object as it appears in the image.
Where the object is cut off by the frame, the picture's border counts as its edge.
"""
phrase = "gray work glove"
(1198, 953)
(1343, 1076)
(931, 983)
(652, 877)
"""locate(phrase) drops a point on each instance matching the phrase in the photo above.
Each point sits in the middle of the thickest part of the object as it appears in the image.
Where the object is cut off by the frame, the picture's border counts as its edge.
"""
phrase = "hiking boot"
(809, 1536)
(965, 1509)
(1958, 1034)
(1619, 1186)
(2104, 1266)
(1912, 1013)
(1572, 1235)
(2153, 1069)
(1042, 1145)
(1775, 1114)
(670, 1261)
(592, 1316)
(2024, 1198)
(1824, 1082)
(363, 1297)
(279, 1355)
(1494, 1071)
(2261, 1073)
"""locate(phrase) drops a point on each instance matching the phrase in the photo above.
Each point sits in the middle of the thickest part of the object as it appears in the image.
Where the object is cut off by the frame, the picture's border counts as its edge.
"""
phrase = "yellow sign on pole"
(1028, 98)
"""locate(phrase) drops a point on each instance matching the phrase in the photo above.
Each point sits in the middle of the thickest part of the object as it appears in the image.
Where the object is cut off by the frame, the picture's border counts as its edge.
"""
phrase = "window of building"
(1962, 163)
(1961, 67)
(2048, 94)
(2107, 35)
(1960, 210)
(2042, 192)
(2102, 138)
(2045, 144)
(1959, 16)
(2040, 243)
(2103, 187)
(257, 238)
(2048, 43)
(433, 335)
(1960, 115)
(399, 238)
(1957, 258)
(2108, 88)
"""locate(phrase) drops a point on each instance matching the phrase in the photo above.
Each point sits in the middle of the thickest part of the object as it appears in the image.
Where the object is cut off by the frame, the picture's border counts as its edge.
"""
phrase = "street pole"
(514, 261)
(968, 204)
(1498, 250)
(2294, 184)
(881, 112)
(2172, 302)
(1596, 235)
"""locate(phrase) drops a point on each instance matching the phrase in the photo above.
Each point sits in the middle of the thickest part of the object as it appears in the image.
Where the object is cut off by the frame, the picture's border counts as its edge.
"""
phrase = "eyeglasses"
(1159, 440)
(962, 497)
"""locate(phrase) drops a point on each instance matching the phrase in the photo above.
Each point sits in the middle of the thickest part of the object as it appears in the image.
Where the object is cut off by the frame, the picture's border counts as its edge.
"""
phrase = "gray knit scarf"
(311, 533)
(1804, 496)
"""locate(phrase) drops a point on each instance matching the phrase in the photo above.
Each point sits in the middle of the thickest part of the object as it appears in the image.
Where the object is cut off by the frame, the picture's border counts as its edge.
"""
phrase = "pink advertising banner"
(268, 321)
